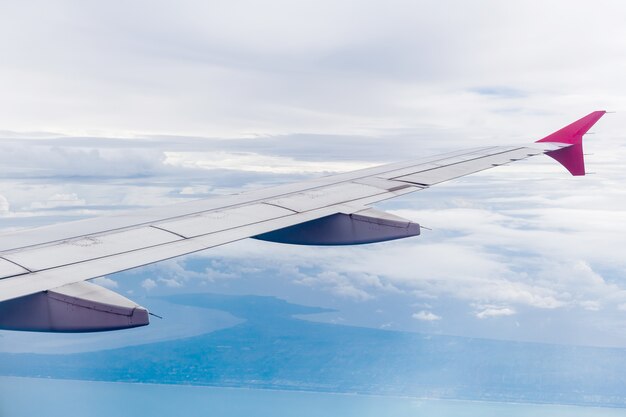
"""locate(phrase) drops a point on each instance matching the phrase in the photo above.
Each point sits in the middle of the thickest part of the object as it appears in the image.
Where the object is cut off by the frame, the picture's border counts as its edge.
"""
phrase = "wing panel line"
(168, 231)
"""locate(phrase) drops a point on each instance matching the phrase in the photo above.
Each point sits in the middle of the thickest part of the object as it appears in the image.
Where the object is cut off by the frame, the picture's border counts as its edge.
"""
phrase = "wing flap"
(326, 196)
(91, 247)
(459, 167)
(219, 220)
(9, 269)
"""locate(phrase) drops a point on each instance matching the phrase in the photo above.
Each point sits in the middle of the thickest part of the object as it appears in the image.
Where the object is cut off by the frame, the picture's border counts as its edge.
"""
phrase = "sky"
(109, 106)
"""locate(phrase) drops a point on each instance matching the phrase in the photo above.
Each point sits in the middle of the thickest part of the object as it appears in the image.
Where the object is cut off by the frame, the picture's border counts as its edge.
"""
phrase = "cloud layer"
(103, 111)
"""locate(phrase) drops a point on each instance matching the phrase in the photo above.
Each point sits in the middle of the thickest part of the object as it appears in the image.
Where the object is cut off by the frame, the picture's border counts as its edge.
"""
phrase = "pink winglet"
(572, 157)
(574, 133)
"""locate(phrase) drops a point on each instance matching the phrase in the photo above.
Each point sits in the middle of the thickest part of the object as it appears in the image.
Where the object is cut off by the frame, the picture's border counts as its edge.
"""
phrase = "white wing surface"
(41, 270)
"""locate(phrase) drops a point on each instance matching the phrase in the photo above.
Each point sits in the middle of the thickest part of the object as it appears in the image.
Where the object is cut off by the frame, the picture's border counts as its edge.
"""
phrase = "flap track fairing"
(74, 308)
(366, 226)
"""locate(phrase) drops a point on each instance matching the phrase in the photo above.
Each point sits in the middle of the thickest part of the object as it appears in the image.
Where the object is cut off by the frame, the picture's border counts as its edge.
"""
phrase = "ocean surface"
(27, 397)
(265, 347)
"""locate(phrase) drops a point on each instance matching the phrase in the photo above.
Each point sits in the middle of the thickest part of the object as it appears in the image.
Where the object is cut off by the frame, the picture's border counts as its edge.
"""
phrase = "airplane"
(44, 271)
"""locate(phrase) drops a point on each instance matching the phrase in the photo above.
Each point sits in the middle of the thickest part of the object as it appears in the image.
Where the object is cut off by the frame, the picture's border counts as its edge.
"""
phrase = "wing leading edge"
(42, 270)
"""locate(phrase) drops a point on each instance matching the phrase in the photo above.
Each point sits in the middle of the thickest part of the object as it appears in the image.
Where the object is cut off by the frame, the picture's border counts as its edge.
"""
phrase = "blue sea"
(27, 397)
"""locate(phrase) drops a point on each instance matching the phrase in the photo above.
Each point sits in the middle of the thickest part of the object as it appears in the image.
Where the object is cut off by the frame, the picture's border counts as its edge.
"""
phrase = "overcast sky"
(254, 68)
(113, 105)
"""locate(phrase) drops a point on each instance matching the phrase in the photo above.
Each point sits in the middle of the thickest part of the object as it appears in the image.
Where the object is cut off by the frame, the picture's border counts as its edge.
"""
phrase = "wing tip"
(573, 133)
(572, 157)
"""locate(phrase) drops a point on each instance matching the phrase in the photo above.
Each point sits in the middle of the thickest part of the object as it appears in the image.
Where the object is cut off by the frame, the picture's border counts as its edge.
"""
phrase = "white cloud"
(493, 311)
(148, 284)
(211, 274)
(106, 282)
(590, 305)
(171, 282)
(426, 316)
(256, 163)
(58, 200)
(4, 205)
(337, 284)
(196, 189)
(447, 268)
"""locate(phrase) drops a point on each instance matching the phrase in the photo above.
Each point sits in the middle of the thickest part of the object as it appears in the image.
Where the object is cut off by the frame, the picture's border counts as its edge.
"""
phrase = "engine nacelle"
(367, 226)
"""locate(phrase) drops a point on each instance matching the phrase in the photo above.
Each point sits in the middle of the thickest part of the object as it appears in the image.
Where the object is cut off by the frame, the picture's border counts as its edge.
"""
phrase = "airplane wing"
(43, 270)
